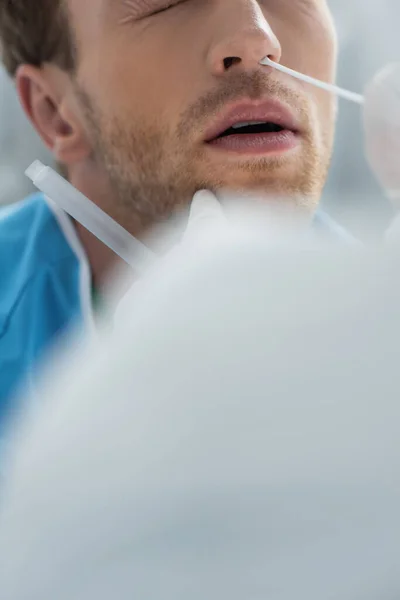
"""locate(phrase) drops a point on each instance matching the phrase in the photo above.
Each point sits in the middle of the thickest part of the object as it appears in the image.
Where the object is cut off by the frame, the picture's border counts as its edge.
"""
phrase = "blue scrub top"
(45, 288)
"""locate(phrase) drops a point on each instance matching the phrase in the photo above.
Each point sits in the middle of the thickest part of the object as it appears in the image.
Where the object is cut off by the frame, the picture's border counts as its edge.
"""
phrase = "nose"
(244, 37)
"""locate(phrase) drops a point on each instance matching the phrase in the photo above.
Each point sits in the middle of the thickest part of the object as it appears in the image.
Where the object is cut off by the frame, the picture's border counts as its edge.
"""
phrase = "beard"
(154, 170)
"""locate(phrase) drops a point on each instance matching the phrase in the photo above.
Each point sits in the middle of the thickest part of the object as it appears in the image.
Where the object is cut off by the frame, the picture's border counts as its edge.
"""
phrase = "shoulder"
(31, 245)
(41, 287)
(30, 226)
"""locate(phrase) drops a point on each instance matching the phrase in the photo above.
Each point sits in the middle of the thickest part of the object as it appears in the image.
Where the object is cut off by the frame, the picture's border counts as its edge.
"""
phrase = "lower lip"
(257, 143)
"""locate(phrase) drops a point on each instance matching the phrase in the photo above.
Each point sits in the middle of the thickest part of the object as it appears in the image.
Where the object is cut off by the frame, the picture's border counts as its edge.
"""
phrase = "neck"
(101, 259)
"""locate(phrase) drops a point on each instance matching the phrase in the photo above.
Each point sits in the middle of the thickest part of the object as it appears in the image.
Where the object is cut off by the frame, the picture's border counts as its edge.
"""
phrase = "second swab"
(333, 89)
(91, 216)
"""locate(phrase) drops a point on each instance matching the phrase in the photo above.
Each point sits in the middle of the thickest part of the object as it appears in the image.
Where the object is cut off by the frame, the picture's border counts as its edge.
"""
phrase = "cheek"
(148, 90)
(309, 43)
(327, 106)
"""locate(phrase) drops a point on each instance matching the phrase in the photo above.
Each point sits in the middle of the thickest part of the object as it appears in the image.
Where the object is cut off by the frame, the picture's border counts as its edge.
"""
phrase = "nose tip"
(245, 51)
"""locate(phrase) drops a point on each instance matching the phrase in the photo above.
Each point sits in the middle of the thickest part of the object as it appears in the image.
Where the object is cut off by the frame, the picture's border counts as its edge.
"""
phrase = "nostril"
(230, 61)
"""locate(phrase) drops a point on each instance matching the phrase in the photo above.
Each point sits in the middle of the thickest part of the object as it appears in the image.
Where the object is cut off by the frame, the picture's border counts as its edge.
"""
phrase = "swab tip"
(266, 62)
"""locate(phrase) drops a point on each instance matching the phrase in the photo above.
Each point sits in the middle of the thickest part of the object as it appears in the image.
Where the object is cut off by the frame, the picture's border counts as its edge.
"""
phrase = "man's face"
(158, 80)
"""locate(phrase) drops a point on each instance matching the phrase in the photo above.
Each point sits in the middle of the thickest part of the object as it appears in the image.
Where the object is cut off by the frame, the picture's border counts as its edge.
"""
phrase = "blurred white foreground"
(235, 438)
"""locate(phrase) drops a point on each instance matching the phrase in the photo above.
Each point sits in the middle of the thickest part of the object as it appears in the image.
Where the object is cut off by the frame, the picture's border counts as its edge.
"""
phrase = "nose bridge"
(243, 36)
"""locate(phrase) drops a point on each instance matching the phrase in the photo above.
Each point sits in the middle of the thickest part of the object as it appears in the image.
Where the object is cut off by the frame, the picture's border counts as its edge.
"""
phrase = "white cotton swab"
(332, 89)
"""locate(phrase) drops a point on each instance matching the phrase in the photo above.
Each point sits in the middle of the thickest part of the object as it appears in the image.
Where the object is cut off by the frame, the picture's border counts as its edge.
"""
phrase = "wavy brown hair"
(35, 32)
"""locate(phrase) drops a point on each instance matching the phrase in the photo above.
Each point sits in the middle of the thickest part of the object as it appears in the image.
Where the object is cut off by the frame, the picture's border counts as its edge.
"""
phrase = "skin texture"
(129, 124)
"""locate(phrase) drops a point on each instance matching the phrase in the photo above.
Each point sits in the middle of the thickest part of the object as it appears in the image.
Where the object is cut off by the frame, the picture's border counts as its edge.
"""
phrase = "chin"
(264, 187)
(292, 179)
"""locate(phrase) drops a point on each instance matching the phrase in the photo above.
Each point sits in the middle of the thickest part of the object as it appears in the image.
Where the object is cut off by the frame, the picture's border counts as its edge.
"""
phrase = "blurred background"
(368, 31)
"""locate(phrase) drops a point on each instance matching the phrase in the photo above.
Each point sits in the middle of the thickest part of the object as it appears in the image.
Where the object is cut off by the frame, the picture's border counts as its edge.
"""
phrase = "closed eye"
(165, 8)
(156, 7)
(142, 9)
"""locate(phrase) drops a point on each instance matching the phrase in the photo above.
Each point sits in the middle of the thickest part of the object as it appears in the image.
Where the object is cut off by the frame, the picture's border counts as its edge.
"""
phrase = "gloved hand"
(382, 129)
(205, 212)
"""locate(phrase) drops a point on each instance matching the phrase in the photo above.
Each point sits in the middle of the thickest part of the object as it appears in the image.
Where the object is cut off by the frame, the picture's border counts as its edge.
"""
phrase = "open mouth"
(255, 128)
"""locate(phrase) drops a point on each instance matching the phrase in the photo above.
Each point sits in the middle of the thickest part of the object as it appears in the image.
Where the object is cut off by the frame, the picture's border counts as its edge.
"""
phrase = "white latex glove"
(382, 129)
(206, 213)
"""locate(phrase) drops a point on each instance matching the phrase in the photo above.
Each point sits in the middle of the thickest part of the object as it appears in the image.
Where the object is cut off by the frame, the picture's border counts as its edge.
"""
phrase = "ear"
(47, 99)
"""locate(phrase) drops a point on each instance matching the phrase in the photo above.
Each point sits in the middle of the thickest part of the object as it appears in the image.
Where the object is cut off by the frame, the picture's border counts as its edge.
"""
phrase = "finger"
(206, 211)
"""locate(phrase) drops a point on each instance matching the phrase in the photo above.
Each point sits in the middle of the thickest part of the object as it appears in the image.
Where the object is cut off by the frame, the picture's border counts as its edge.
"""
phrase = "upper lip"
(272, 111)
